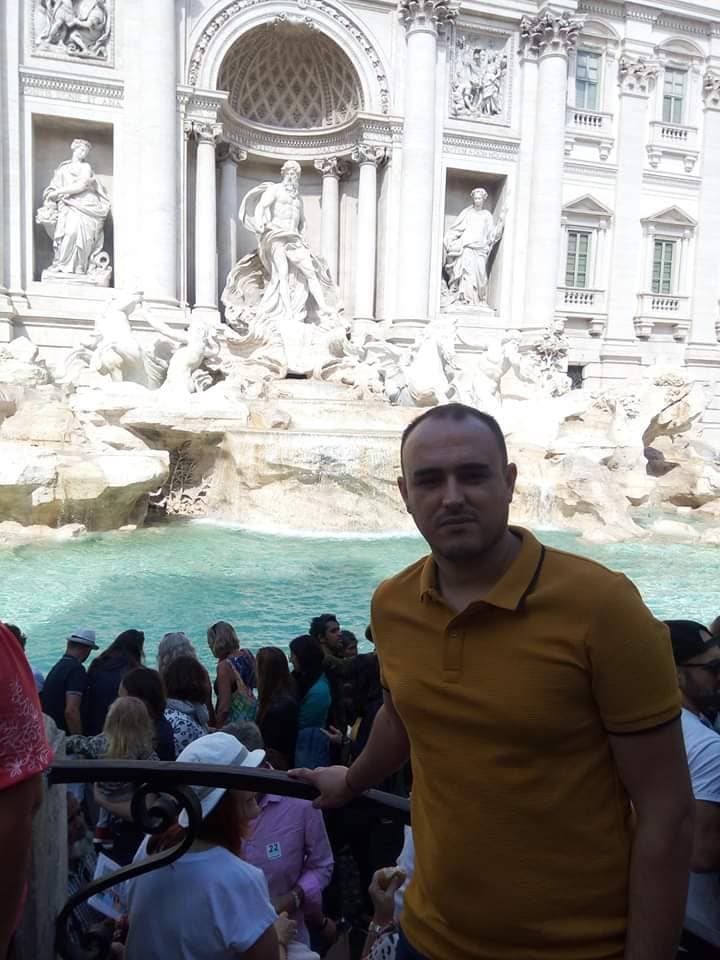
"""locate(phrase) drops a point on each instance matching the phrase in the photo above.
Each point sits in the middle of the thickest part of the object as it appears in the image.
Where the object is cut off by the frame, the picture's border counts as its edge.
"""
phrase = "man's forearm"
(658, 888)
(73, 722)
(386, 751)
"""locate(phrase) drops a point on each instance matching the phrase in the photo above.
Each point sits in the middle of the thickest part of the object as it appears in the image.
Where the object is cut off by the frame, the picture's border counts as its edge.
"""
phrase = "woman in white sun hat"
(209, 904)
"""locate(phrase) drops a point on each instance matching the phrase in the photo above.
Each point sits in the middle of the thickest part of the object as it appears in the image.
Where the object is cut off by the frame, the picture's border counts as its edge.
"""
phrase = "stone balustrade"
(673, 139)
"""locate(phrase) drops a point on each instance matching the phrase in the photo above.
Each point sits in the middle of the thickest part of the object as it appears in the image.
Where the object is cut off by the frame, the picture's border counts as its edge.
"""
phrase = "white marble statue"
(113, 349)
(467, 245)
(477, 90)
(283, 288)
(200, 344)
(75, 207)
(80, 27)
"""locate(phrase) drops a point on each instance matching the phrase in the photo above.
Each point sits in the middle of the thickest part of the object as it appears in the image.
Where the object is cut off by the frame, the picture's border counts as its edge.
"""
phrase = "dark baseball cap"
(689, 639)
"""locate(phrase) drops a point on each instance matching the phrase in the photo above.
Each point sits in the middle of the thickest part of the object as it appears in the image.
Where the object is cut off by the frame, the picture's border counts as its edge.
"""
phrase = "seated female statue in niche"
(75, 207)
(467, 245)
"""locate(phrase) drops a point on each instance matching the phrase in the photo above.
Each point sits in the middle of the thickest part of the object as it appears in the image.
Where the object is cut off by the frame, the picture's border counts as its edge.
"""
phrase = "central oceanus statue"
(282, 292)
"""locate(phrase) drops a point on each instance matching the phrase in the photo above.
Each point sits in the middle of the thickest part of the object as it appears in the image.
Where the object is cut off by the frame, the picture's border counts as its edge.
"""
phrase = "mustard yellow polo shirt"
(521, 825)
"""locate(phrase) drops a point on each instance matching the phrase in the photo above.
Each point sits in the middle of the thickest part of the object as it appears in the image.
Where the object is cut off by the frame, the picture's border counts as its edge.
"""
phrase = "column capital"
(636, 76)
(204, 131)
(369, 153)
(229, 152)
(711, 90)
(432, 15)
(549, 34)
(332, 167)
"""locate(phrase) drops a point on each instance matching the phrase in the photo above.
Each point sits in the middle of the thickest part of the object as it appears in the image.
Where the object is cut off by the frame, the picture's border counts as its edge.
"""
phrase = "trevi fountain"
(243, 243)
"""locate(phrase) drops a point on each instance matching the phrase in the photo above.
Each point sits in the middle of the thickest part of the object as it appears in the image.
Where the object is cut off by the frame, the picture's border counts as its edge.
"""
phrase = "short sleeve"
(24, 751)
(249, 912)
(703, 753)
(376, 632)
(634, 679)
(77, 680)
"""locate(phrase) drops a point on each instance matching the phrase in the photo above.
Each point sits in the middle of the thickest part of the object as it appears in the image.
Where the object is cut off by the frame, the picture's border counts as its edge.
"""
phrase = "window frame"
(599, 56)
(675, 100)
(666, 242)
(578, 232)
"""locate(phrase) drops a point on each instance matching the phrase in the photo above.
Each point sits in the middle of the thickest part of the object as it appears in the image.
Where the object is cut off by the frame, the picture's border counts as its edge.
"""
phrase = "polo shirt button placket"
(452, 661)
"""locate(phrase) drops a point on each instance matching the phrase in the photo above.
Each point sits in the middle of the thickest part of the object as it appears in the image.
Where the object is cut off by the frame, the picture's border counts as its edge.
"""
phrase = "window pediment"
(672, 217)
(586, 207)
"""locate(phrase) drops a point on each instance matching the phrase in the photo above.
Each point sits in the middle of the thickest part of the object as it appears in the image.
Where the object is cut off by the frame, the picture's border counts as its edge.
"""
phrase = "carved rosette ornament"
(549, 33)
(434, 14)
(711, 90)
(636, 76)
(369, 153)
(332, 167)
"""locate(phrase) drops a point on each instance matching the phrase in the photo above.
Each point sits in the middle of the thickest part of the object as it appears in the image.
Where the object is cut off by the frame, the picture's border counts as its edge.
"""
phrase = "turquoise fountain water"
(187, 576)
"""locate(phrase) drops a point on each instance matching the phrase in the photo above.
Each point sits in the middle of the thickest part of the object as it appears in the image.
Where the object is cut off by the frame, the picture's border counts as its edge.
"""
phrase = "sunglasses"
(713, 667)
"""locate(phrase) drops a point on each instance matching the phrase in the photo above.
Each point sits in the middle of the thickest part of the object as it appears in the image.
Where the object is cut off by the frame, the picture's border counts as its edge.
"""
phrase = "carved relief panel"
(73, 29)
(480, 78)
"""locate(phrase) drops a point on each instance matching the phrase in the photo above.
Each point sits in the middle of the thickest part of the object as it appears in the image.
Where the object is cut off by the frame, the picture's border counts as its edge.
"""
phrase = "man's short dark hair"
(457, 411)
(318, 625)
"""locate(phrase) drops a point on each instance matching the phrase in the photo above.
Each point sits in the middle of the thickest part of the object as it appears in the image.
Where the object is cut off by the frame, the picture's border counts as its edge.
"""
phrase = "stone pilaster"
(549, 37)
(333, 169)
(368, 157)
(228, 157)
(636, 79)
(207, 134)
(705, 328)
(424, 21)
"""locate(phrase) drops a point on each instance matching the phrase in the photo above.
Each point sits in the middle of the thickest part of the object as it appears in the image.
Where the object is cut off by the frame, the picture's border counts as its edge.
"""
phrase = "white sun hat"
(223, 750)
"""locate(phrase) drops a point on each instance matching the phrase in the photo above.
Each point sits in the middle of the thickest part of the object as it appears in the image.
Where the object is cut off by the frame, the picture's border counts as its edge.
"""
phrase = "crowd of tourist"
(565, 756)
(304, 705)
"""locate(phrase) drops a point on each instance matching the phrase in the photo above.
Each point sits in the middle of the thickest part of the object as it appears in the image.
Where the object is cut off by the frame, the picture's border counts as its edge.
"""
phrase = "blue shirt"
(315, 704)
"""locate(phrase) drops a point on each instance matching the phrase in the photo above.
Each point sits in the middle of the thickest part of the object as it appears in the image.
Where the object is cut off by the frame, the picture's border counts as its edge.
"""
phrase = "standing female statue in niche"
(75, 207)
(467, 245)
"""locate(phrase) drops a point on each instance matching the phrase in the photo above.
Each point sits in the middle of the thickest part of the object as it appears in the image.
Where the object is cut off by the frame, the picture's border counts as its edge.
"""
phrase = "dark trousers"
(405, 950)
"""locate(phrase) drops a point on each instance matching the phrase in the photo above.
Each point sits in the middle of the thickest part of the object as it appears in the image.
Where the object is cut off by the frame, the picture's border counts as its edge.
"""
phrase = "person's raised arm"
(387, 749)
(653, 769)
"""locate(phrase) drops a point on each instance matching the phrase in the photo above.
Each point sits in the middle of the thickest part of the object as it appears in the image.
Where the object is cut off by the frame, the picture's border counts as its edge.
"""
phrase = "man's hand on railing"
(330, 782)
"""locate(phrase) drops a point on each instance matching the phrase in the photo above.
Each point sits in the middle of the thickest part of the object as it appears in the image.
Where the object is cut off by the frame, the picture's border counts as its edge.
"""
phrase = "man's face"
(700, 678)
(456, 487)
(332, 635)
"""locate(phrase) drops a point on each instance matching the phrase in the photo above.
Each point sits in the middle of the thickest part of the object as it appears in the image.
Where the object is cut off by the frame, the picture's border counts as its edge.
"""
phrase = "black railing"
(162, 790)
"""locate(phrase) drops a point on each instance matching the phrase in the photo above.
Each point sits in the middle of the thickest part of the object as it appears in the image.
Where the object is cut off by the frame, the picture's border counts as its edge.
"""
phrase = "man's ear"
(402, 487)
(511, 478)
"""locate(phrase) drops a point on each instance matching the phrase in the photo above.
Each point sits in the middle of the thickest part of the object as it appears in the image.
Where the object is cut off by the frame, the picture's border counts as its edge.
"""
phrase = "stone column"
(424, 21)
(333, 169)
(551, 37)
(207, 134)
(627, 277)
(368, 157)
(157, 229)
(706, 287)
(228, 157)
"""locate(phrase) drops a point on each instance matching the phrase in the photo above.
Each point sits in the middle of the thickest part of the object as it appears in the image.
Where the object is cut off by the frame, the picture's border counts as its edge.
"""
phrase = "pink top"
(24, 751)
(289, 843)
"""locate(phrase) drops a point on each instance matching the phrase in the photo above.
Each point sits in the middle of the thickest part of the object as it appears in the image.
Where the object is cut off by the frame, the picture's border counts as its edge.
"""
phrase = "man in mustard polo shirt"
(537, 699)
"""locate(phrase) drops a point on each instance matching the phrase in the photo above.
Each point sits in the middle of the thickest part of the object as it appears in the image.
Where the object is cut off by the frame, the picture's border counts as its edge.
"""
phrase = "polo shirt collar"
(512, 588)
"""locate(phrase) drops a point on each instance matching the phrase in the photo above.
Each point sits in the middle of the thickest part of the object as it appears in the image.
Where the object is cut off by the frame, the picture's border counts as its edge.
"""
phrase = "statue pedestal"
(99, 278)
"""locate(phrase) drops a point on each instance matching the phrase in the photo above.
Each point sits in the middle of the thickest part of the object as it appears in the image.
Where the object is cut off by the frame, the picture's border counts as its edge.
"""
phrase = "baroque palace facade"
(592, 126)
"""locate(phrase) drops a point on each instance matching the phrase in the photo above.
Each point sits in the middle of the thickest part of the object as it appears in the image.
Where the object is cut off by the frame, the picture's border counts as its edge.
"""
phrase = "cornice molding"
(591, 170)
(489, 147)
(56, 86)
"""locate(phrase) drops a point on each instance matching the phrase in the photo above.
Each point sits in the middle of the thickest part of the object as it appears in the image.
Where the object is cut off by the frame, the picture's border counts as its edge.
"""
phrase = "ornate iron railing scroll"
(162, 791)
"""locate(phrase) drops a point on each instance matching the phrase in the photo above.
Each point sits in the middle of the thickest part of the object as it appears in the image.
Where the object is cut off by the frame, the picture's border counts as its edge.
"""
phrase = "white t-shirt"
(208, 905)
(702, 744)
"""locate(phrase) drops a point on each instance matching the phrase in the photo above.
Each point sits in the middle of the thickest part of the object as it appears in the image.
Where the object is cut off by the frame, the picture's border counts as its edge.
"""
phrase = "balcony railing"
(662, 309)
(589, 121)
(673, 139)
(162, 790)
